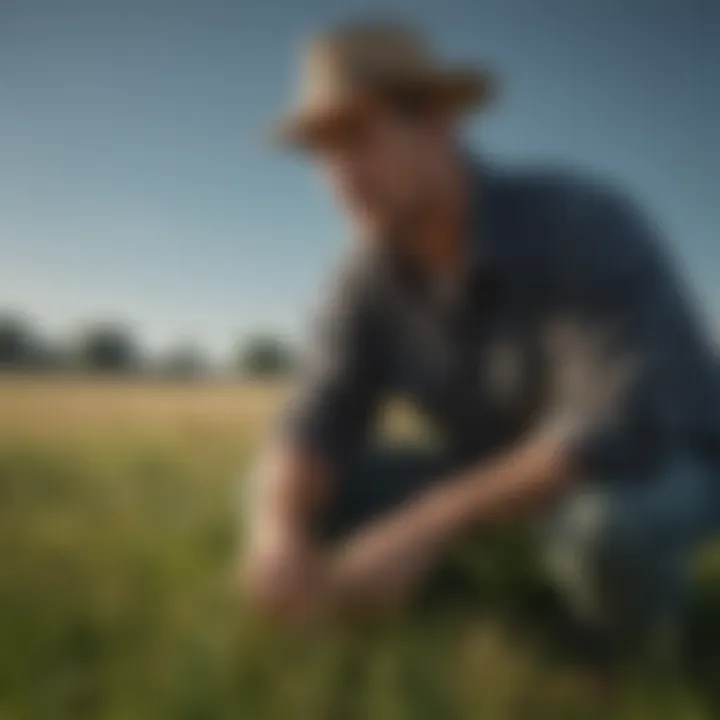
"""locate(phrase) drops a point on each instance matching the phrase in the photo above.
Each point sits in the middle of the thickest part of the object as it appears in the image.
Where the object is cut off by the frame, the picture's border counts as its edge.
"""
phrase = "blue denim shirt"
(570, 317)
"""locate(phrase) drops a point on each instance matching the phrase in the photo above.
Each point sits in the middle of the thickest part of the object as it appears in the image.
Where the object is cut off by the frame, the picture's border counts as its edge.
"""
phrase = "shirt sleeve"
(340, 382)
(639, 392)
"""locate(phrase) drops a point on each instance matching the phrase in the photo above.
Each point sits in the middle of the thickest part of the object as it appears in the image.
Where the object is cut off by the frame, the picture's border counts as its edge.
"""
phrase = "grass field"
(117, 533)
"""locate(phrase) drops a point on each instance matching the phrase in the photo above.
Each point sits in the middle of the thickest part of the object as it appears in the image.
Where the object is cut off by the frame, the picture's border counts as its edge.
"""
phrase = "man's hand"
(283, 567)
(283, 575)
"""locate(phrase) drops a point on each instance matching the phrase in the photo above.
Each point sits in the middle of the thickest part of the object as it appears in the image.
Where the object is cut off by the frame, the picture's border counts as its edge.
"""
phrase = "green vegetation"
(117, 538)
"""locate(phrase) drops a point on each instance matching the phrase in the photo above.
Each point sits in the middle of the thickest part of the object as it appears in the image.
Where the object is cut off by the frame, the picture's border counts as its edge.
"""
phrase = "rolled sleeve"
(645, 366)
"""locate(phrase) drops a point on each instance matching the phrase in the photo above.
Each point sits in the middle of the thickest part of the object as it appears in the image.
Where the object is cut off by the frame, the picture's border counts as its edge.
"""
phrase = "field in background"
(118, 527)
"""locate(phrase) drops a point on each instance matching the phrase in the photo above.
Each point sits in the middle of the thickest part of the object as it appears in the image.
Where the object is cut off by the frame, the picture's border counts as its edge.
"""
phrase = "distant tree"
(52, 357)
(108, 347)
(265, 356)
(18, 342)
(184, 362)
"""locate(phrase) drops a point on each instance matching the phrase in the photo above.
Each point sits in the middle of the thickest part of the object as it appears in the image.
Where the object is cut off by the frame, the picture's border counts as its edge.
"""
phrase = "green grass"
(118, 532)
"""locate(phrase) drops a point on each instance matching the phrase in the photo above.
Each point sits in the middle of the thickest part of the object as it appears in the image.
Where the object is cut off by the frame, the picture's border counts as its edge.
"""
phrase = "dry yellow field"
(57, 407)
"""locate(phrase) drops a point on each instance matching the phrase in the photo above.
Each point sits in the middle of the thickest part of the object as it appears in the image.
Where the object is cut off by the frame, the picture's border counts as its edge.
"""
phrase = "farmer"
(531, 317)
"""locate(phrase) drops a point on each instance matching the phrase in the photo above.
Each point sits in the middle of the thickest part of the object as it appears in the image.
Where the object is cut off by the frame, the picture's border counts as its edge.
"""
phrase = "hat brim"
(459, 90)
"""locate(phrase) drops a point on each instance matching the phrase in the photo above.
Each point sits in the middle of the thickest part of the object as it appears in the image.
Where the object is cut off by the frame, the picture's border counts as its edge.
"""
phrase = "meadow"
(118, 535)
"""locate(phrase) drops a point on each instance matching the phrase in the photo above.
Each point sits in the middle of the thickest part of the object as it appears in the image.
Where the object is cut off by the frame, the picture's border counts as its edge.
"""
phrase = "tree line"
(113, 348)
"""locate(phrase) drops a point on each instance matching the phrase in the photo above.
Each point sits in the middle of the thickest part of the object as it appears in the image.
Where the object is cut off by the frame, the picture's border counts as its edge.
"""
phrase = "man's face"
(378, 168)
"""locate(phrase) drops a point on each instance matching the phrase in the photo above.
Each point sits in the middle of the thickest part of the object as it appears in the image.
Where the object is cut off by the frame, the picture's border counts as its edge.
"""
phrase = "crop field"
(118, 538)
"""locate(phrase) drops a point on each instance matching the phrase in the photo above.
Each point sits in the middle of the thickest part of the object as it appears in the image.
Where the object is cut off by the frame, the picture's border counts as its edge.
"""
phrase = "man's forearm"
(388, 557)
(282, 569)
(288, 489)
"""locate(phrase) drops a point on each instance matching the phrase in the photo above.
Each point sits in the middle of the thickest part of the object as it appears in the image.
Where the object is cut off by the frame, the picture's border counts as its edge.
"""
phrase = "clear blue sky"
(135, 182)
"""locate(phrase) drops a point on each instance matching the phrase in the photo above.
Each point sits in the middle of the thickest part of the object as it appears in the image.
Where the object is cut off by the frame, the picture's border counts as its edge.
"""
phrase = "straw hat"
(344, 67)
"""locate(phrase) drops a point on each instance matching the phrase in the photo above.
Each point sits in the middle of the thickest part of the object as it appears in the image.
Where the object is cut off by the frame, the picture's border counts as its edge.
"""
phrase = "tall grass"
(118, 531)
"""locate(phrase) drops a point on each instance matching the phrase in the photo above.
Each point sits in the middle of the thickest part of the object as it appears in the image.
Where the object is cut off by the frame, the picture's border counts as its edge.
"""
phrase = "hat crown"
(342, 68)
(347, 58)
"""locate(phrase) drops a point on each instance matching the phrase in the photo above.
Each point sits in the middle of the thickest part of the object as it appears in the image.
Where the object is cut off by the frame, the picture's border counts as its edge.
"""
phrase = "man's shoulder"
(554, 188)
(584, 224)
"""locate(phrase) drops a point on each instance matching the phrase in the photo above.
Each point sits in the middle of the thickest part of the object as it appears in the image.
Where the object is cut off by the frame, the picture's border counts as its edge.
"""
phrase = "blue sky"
(135, 182)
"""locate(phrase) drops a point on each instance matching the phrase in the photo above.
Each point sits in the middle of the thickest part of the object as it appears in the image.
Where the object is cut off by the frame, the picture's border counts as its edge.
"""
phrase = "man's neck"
(441, 235)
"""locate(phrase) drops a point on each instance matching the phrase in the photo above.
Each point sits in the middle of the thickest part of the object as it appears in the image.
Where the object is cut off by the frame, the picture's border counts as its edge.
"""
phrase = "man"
(531, 318)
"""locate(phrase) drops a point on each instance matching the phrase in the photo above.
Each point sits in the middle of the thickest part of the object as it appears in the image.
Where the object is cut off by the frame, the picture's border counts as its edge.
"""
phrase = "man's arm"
(380, 566)
(636, 379)
(281, 561)
(646, 373)
(324, 425)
